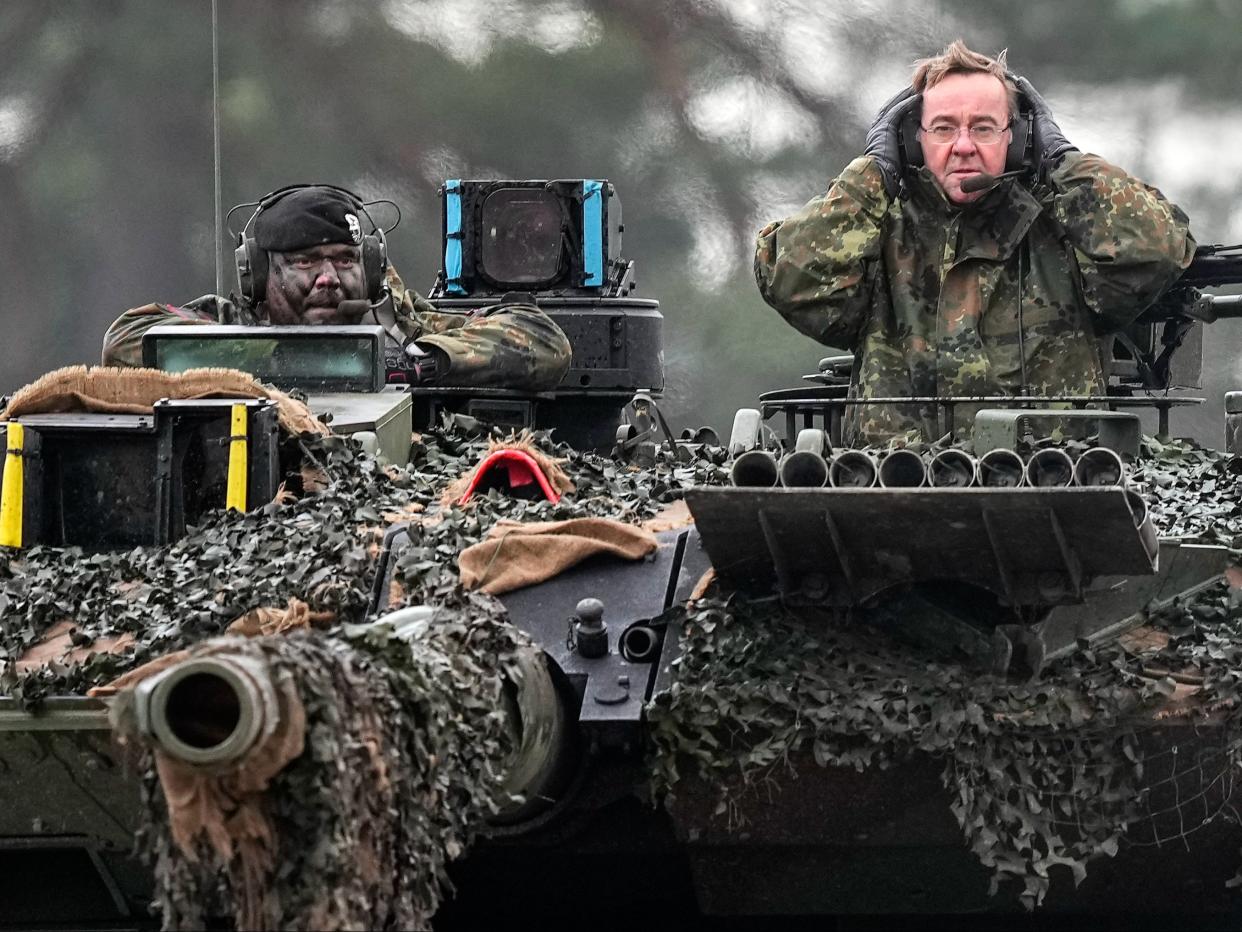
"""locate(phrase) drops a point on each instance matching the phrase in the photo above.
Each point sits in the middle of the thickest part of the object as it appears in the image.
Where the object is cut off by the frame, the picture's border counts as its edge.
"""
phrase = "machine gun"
(1144, 354)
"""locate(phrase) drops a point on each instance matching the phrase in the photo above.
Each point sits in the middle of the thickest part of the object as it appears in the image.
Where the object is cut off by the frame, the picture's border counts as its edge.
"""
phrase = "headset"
(253, 264)
(1018, 155)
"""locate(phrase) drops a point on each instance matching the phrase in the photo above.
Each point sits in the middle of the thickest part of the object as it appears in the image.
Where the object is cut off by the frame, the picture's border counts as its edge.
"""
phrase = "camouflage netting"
(321, 549)
(755, 686)
(404, 745)
(429, 710)
(1054, 772)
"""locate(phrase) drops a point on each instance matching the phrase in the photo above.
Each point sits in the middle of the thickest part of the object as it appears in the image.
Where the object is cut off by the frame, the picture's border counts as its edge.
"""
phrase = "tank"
(979, 677)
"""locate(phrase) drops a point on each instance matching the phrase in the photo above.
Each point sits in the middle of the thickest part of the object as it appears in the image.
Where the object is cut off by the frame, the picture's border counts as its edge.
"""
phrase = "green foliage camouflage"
(1052, 772)
(434, 702)
(404, 749)
(315, 549)
(1055, 772)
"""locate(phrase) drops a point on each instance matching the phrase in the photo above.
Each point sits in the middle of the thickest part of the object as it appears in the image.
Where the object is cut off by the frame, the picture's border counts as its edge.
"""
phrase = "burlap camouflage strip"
(927, 295)
(514, 346)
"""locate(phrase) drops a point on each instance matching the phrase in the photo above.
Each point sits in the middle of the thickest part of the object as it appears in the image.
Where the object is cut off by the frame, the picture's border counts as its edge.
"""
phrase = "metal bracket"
(1121, 431)
(1029, 546)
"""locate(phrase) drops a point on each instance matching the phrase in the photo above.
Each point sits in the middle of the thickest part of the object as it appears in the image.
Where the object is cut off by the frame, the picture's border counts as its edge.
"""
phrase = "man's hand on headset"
(1049, 143)
(884, 137)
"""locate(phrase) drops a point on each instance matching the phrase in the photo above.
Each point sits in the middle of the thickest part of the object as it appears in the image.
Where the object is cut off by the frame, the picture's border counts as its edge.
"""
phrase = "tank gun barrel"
(208, 710)
(217, 710)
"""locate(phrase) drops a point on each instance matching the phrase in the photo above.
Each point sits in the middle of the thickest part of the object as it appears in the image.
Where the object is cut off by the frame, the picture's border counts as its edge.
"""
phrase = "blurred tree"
(711, 116)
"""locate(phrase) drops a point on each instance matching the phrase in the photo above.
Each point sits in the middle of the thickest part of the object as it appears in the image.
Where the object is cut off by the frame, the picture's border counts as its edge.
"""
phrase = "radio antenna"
(215, 140)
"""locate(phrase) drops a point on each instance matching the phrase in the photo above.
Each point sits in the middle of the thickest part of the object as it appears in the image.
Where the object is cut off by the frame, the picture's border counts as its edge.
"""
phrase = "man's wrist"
(430, 363)
(864, 179)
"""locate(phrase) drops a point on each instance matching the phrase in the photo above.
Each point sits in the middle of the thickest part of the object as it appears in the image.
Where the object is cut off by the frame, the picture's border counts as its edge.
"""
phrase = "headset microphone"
(381, 312)
(983, 181)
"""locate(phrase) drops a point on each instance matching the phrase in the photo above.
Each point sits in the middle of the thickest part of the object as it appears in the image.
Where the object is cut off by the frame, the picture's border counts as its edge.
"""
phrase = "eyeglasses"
(981, 134)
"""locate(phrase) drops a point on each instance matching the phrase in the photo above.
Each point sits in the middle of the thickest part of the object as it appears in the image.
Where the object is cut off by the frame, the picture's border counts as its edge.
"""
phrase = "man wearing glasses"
(941, 286)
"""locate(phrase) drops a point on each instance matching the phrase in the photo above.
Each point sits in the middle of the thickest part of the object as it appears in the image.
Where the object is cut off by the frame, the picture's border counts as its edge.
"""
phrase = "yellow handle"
(238, 465)
(12, 492)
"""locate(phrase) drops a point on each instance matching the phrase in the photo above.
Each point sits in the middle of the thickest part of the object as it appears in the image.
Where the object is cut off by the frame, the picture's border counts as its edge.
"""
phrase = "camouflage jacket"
(514, 346)
(927, 295)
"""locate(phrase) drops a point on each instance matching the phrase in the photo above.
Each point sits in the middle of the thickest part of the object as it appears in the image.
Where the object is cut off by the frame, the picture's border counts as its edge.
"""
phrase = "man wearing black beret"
(311, 241)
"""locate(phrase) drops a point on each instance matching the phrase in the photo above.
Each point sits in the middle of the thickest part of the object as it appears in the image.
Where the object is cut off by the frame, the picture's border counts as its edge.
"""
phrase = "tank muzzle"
(208, 710)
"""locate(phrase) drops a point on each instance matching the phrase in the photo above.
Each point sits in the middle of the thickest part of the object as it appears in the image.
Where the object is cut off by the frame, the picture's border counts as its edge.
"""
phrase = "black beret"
(306, 217)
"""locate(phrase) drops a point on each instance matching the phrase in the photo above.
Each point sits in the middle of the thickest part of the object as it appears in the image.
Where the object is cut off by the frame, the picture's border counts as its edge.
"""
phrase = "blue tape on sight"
(452, 238)
(592, 233)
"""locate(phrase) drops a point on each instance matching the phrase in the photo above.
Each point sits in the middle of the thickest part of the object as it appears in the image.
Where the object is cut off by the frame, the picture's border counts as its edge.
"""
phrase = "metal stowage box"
(111, 481)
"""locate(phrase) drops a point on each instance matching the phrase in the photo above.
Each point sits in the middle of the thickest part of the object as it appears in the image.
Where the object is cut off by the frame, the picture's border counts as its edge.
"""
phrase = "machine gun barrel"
(1223, 306)
(1211, 268)
(1207, 308)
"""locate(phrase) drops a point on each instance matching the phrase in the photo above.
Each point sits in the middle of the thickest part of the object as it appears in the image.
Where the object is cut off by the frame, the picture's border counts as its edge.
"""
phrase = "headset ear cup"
(1017, 155)
(252, 268)
(374, 265)
(245, 283)
(911, 148)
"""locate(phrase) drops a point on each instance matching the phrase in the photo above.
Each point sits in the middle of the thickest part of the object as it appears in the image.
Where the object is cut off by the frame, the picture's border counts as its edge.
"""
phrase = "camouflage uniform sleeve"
(513, 346)
(1129, 241)
(122, 343)
(816, 267)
